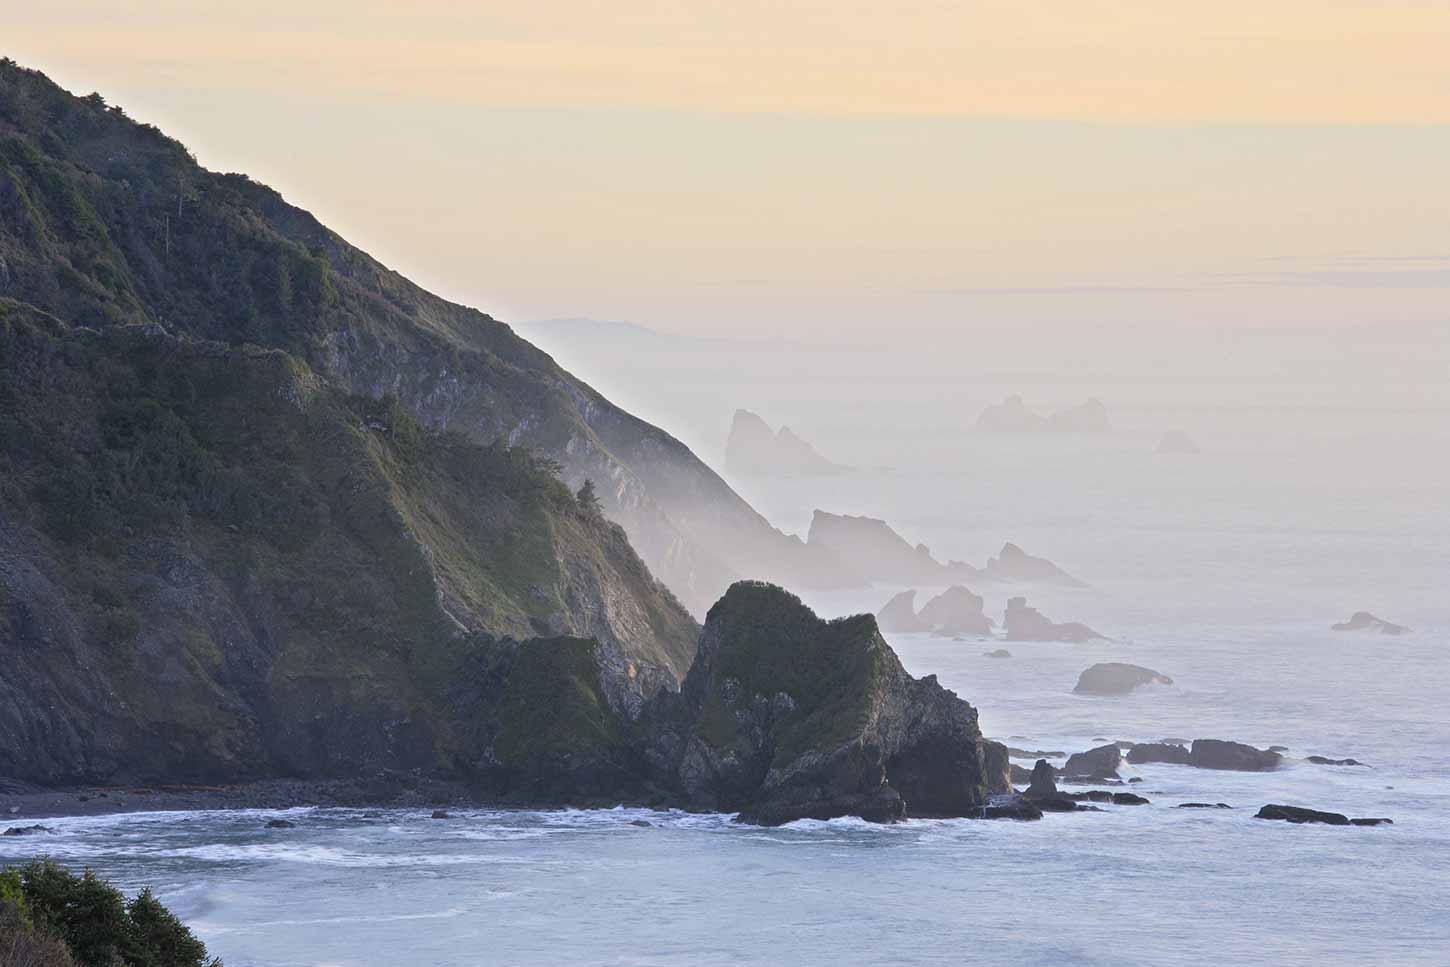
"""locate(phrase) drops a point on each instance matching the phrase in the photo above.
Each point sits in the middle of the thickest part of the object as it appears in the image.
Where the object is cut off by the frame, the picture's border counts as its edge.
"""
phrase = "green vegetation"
(771, 643)
(49, 917)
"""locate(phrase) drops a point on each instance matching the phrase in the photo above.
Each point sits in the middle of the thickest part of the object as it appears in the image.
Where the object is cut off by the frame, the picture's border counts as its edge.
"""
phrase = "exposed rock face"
(1364, 621)
(1159, 752)
(785, 716)
(1012, 563)
(873, 550)
(1028, 624)
(899, 614)
(1232, 756)
(1042, 784)
(1176, 441)
(1099, 763)
(956, 611)
(1013, 416)
(1116, 678)
(753, 450)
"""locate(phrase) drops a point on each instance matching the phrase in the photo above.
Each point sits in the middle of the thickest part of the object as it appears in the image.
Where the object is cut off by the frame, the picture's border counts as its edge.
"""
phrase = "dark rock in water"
(1034, 754)
(1128, 799)
(1322, 761)
(1028, 624)
(1011, 807)
(643, 823)
(956, 611)
(754, 450)
(1135, 778)
(280, 824)
(1101, 762)
(1203, 805)
(1176, 441)
(1233, 756)
(1056, 804)
(1278, 748)
(899, 614)
(1012, 563)
(25, 830)
(1117, 678)
(784, 716)
(1298, 814)
(373, 814)
(441, 814)
(1367, 821)
(1019, 776)
(1092, 795)
(1364, 621)
(997, 653)
(1042, 785)
(1089, 780)
(1158, 752)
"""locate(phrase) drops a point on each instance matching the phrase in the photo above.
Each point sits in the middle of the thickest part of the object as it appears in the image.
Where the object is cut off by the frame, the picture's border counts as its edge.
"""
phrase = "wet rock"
(1099, 763)
(1042, 785)
(1017, 753)
(1158, 752)
(1298, 814)
(26, 830)
(997, 653)
(1117, 678)
(1364, 621)
(642, 823)
(1128, 799)
(1322, 761)
(1091, 795)
(1203, 805)
(1232, 756)
(441, 814)
(899, 614)
(1024, 623)
(956, 611)
(280, 824)
(1011, 807)
(1056, 804)
(1367, 821)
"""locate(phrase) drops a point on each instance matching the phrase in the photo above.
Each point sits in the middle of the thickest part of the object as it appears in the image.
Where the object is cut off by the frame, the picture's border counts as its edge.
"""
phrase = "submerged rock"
(1159, 752)
(956, 611)
(1372, 821)
(281, 824)
(1099, 763)
(899, 614)
(1012, 563)
(1231, 756)
(1322, 761)
(1364, 621)
(26, 830)
(1203, 805)
(997, 653)
(785, 716)
(1028, 624)
(1117, 678)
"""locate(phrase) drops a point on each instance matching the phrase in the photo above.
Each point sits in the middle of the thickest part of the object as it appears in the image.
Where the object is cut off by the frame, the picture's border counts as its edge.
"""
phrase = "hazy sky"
(831, 169)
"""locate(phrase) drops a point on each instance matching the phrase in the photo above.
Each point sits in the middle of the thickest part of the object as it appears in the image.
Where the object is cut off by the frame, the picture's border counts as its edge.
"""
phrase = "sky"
(1066, 170)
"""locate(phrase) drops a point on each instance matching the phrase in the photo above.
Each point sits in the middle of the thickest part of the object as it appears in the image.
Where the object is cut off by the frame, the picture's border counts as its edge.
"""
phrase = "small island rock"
(1117, 678)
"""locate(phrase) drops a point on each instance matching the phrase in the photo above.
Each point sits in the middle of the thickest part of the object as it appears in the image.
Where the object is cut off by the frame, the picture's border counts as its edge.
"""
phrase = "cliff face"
(214, 563)
(104, 221)
(785, 716)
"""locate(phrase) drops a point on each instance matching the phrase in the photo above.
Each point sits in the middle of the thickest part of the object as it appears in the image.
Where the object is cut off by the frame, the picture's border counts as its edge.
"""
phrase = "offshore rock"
(1099, 763)
(1028, 624)
(1159, 752)
(1042, 784)
(754, 450)
(899, 614)
(1012, 563)
(956, 611)
(1232, 756)
(1298, 814)
(1364, 621)
(1117, 678)
(785, 716)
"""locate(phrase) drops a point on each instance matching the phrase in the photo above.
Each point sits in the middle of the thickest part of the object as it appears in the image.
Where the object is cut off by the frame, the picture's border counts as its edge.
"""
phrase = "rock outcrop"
(785, 716)
(1117, 678)
(1013, 416)
(1176, 441)
(1024, 623)
(1159, 752)
(899, 614)
(1231, 756)
(877, 553)
(754, 450)
(1364, 621)
(1014, 564)
(1099, 763)
(1299, 814)
(956, 611)
(1042, 785)
(1320, 760)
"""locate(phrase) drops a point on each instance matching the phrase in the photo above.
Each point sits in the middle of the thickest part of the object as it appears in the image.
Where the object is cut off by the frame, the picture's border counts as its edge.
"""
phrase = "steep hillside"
(104, 221)
(216, 564)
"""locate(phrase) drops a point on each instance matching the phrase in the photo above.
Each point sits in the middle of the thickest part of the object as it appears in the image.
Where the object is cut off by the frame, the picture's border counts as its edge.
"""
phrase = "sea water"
(1223, 570)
